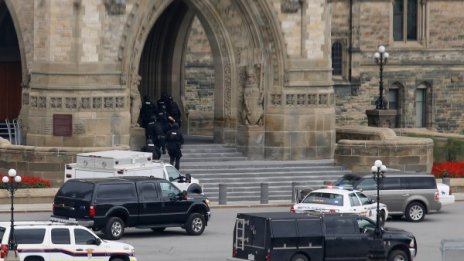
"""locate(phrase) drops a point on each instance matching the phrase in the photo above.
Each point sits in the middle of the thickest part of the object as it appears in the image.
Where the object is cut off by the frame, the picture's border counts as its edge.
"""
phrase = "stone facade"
(85, 65)
(434, 62)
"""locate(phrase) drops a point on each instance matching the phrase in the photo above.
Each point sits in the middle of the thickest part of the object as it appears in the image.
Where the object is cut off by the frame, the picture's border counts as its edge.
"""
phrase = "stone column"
(76, 97)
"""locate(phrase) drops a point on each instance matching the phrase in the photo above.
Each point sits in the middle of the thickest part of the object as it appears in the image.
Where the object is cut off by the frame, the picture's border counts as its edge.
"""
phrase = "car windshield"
(347, 180)
(324, 198)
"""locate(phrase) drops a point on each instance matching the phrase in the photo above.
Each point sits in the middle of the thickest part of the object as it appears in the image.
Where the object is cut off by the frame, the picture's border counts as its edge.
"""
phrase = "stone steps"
(215, 164)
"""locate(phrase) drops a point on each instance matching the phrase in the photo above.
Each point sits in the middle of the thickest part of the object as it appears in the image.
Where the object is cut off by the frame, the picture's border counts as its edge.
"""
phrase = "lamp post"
(381, 59)
(377, 250)
(11, 183)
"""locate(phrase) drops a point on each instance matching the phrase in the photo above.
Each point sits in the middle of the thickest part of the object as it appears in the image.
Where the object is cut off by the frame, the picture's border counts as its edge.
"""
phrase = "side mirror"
(188, 178)
(98, 241)
(172, 196)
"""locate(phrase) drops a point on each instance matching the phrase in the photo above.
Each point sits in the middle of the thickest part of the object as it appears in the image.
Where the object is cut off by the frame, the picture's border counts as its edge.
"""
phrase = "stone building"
(76, 70)
(272, 77)
(424, 75)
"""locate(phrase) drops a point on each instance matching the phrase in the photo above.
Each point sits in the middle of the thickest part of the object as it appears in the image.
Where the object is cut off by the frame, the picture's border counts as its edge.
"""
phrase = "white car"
(445, 195)
(46, 241)
(340, 201)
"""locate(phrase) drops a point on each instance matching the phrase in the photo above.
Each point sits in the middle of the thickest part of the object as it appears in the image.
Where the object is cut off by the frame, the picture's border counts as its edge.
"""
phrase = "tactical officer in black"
(150, 147)
(156, 134)
(147, 110)
(174, 141)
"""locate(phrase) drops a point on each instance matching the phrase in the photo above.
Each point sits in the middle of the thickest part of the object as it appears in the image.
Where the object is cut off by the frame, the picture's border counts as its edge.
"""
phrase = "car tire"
(415, 212)
(299, 257)
(194, 188)
(158, 229)
(114, 228)
(398, 255)
(195, 224)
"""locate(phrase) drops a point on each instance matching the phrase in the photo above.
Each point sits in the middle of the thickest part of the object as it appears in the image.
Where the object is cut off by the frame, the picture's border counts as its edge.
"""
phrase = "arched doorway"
(10, 67)
(177, 60)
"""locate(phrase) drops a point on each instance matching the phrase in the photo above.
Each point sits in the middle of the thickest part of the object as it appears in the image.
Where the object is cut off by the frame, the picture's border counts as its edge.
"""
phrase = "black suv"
(111, 204)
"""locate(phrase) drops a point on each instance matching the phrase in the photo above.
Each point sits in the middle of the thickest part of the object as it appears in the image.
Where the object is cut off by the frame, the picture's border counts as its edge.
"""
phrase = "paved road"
(216, 243)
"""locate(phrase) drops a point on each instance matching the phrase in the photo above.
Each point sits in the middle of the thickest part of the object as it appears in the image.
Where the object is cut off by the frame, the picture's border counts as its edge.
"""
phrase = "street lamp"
(381, 58)
(11, 183)
(377, 250)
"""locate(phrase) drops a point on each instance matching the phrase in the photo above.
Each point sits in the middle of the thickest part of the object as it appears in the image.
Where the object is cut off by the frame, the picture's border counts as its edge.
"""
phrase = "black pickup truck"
(111, 204)
(281, 236)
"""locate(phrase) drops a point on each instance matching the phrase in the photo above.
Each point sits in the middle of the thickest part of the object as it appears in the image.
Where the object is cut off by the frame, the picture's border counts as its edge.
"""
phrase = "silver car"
(410, 194)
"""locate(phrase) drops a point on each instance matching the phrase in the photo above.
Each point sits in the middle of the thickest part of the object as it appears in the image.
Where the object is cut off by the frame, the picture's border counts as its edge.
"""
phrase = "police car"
(340, 201)
(47, 240)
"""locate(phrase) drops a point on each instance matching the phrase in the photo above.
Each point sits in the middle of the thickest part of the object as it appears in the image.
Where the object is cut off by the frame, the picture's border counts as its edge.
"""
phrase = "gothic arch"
(22, 52)
(265, 40)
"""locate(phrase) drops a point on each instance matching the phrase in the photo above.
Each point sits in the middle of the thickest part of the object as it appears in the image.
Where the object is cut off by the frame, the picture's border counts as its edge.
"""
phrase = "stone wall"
(199, 82)
(434, 60)
(362, 146)
(44, 162)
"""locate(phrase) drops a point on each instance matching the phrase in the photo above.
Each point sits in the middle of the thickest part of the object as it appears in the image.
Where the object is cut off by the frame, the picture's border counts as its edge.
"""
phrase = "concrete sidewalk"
(29, 208)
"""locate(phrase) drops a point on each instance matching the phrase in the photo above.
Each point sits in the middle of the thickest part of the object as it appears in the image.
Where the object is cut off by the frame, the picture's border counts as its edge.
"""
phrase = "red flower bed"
(31, 182)
(450, 169)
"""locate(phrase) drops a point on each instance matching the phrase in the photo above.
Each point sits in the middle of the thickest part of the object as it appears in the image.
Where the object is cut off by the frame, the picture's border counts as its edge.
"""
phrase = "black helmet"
(175, 126)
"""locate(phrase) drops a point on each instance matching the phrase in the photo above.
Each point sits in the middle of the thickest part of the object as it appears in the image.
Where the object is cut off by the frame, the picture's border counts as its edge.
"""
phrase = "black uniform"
(156, 134)
(147, 110)
(174, 141)
(173, 110)
(162, 119)
(150, 147)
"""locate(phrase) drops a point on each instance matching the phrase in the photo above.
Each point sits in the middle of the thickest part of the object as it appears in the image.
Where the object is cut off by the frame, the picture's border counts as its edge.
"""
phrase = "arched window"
(395, 102)
(393, 97)
(337, 64)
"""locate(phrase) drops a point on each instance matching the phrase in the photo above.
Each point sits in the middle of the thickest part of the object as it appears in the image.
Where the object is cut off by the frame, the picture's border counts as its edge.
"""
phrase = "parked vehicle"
(112, 204)
(446, 196)
(303, 237)
(410, 194)
(122, 163)
(340, 201)
(47, 241)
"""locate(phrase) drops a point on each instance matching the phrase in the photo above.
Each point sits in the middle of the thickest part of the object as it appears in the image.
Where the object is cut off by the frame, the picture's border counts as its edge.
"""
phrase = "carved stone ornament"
(135, 100)
(115, 7)
(290, 6)
(253, 99)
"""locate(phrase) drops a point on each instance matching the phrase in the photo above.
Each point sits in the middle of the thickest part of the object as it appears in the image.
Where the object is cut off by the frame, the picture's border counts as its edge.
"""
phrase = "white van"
(46, 241)
(122, 163)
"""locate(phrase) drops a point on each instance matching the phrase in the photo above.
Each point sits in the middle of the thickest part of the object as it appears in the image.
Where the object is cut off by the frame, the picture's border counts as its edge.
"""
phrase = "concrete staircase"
(215, 164)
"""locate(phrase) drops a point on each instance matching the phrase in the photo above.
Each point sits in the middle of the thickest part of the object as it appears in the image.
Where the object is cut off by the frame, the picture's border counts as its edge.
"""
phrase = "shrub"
(31, 182)
(451, 169)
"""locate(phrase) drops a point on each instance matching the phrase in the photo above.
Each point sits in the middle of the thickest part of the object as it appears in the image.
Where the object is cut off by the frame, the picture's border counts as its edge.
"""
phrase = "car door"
(355, 205)
(174, 206)
(342, 233)
(87, 246)
(60, 242)
(150, 203)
